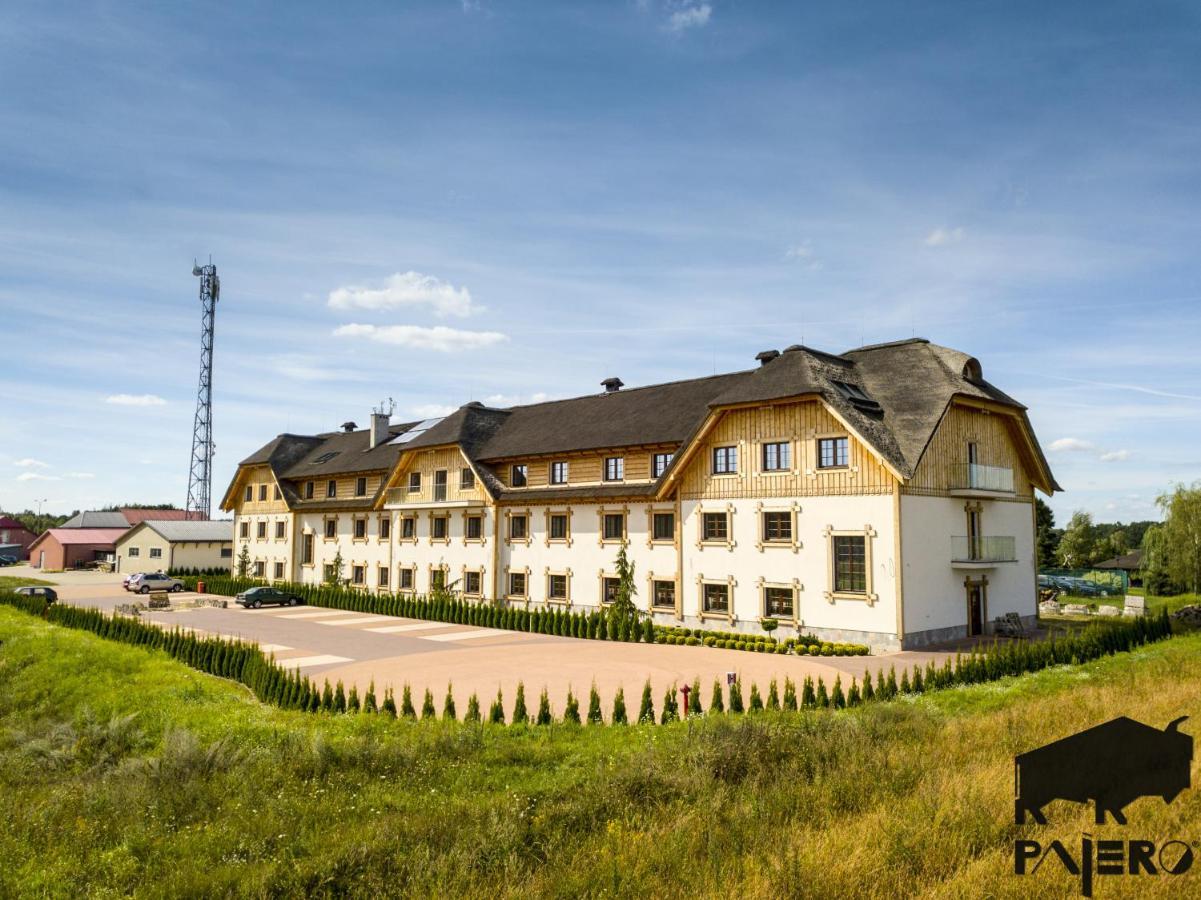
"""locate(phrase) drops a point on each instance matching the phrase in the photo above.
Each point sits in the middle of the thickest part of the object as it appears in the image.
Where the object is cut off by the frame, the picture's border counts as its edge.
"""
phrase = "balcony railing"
(975, 477)
(994, 548)
(439, 493)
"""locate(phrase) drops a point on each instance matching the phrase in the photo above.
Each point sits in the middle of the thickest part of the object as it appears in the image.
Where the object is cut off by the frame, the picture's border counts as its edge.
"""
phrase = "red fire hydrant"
(684, 692)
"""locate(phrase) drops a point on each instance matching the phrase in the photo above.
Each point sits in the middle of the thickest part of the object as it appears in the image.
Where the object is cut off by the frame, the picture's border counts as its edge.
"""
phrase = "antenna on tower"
(200, 472)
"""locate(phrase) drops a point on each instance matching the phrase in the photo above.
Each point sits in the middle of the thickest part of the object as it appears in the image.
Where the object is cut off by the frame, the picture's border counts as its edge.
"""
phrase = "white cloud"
(515, 399)
(406, 290)
(1070, 445)
(417, 337)
(1115, 456)
(31, 463)
(135, 400)
(431, 410)
(689, 15)
(37, 476)
(80, 475)
(940, 237)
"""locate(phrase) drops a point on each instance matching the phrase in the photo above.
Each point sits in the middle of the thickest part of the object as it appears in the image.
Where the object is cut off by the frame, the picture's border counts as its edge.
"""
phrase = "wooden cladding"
(582, 468)
(798, 424)
(261, 482)
(428, 463)
(996, 436)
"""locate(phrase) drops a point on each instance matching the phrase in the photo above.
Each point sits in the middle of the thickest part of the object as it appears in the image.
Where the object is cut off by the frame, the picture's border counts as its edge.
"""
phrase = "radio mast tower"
(200, 473)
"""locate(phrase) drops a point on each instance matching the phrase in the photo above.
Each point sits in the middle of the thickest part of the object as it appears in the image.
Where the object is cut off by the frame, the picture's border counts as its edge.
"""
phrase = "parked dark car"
(50, 594)
(257, 596)
(8, 560)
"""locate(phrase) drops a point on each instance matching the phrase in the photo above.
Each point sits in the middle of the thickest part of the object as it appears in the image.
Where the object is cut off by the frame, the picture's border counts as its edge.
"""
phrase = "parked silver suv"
(155, 581)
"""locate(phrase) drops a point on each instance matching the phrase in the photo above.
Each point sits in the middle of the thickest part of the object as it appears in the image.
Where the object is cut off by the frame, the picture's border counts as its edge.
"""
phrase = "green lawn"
(123, 772)
(8, 582)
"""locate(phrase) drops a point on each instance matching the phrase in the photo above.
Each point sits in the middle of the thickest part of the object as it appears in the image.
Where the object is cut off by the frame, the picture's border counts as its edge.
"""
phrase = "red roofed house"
(13, 534)
(69, 548)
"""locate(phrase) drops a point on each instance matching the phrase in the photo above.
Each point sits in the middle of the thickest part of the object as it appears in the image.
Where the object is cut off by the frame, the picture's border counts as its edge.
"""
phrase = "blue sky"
(439, 202)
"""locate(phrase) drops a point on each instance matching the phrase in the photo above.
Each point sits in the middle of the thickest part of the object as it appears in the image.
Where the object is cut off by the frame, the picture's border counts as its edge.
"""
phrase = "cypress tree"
(369, 704)
(905, 681)
(448, 706)
(853, 697)
(838, 698)
(339, 697)
(619, 707)
(520, 715)
(389, 707)
(427, 705)
(789, 695)
(808, 697)
(918, 684)
(352, 702)
(327, 697)
(756, 704)
(694, 699)
(716, 704)
(496, 714)
(823, 698)
(671, 708)
(869, 693)
(544, 717)
(646, 712)
(648, 634)
(892, 682)
(736, 697)
(406, 703)
(881, 685)
(571, 713)
(473, 709)
(594, 707)
(773, 695)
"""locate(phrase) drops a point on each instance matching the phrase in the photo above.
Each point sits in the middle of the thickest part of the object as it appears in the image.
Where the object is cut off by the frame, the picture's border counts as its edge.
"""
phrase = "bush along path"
(603, 626)
(272, 683)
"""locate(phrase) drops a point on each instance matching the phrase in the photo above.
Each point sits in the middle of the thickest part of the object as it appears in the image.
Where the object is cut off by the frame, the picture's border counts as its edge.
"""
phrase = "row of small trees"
(271, 683)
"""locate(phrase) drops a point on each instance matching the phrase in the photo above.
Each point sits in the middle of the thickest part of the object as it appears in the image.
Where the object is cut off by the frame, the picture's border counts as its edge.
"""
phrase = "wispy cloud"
(940, 237)
(416, 337)
(37, 476)
(408, 290)
(31, 463)
(689, 14)
(80, 475)
(1070, 445)
(303, 368)
(803, 253)
(135, 400)
(515, 399)
(1115, 456)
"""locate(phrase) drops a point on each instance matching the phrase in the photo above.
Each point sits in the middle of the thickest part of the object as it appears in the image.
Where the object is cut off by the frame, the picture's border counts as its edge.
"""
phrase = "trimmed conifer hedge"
(287, 689)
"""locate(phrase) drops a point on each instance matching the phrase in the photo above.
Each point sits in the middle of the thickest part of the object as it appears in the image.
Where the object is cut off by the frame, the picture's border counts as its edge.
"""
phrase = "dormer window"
(856, 396)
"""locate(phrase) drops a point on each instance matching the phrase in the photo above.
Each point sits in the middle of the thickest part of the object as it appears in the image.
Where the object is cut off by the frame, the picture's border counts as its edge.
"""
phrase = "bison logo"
(1111, 764)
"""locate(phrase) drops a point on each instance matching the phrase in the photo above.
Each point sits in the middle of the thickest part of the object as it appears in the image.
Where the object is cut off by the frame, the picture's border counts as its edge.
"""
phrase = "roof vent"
(612, 385)
(766, 356)
(349, 427)
(972, 370)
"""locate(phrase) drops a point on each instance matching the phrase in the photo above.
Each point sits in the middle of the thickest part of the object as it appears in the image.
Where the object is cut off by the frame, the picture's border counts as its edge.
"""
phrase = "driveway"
(358, 648)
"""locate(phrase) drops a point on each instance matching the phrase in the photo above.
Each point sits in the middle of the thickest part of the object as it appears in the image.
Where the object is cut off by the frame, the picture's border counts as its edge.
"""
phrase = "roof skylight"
(420, 428)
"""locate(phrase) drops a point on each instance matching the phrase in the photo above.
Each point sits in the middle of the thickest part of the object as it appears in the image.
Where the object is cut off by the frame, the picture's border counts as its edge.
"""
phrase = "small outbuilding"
(15, 538)
(73, 548)
(152, 545)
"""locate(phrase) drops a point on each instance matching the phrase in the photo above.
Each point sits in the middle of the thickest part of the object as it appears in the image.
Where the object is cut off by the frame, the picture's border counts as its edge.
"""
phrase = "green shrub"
(544, 717)
(520, 715)
(619, 707)
(594, 707)
(449, 713)
(716, 704)
(646, 711)
(571, 712)
(496, 713)
(473, 709)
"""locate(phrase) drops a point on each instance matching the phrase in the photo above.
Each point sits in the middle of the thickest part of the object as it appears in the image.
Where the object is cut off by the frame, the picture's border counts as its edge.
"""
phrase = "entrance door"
(41, 559)
(975, 609)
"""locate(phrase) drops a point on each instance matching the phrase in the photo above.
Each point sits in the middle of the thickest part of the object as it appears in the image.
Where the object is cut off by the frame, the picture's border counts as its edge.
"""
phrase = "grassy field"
(8, 582)
(123, 772)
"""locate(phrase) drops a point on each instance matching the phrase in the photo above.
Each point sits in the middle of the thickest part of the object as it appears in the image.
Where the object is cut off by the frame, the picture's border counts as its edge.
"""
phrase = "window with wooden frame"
(609, 586)
(414, 482)
(358, 575)
(556, 587)
(615, 468)
(472, 582)
(327, 572)
(833, 452)
(440, 528)
(660, 462)
(360, 528)
(715, 597)
(134, 551)
(663, 527)
(385, 527)
(280, 530)
(519, 527)
(776, 456)
(725, 460)
(518, 476)
(262, 493)
(437, 578)
(381, 577)
(557, 527)
(331, 529)
(308, 490)
(261, 530)
(360, 487)
(473, 528)
(663, 594)
(779, 601)
(715, 527)
(244, 530)
(440, 488)
(278, 495)
(405, 577)
(558, 472)
(408, 528)
(466, 479)
(279, 571)
(777, 526)
(306, 549)
(850, 564)
(517, 585)
(260, 569)
(331, 488)
(249, 494)
(613, 527)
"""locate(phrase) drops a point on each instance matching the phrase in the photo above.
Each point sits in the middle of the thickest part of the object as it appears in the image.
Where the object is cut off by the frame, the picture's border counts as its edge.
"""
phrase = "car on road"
(255, 597)
(154, 581)
(50, 594)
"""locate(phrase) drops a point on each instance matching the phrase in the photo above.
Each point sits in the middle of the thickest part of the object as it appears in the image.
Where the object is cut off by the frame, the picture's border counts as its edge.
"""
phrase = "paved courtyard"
(358, 648)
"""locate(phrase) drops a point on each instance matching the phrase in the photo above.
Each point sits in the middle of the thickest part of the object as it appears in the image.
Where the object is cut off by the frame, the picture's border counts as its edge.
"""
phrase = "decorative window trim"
(601, 512)
(379, 531)
(867, 533)
(737, 447)
(548, 540)
(357, 563)
(308, 533)
(651, 540)
(483, 538)
(529, 531)
(795, 586)
(325, 520)
(794, 453)
(550, 472)
(677, 608)
(435, 514)
(555, 601)
(728, 616)
(729, 543)
(401, 567)
(400, 538)
(386, 584)
(605, 469)
(354, 527)
(525, 570)
(277, 537)
(795, 509)
(601, 575)
(476, 570)
(431, 568)
(816, 469)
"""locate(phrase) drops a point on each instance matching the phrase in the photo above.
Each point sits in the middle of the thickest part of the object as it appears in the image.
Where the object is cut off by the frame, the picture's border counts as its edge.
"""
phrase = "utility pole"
(200, 472)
